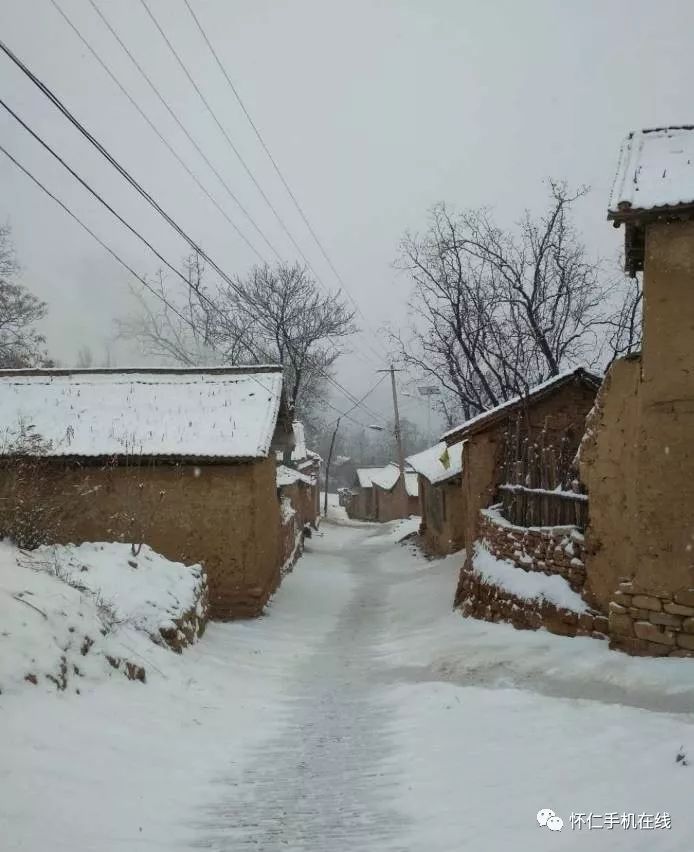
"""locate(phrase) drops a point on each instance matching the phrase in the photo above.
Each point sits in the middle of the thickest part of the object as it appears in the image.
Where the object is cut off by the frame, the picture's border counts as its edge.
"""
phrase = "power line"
(158, 133)
(92, 234)
(273, 161)
(113, 254)
(233, 147)
(117, 215)
(183, 128)
(131, 180)
(352, 398)
(235, 150)
(359, 402)
(119, 168)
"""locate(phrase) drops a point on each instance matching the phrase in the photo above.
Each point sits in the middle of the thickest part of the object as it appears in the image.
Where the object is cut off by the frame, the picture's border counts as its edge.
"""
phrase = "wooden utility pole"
(398, 439)
(327, 466)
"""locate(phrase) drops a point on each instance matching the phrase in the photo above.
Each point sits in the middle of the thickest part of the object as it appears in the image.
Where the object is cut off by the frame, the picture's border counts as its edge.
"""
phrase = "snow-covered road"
(361, 714)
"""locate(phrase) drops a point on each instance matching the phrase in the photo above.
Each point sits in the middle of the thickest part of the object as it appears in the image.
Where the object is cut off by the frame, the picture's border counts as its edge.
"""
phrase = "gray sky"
(374, 111)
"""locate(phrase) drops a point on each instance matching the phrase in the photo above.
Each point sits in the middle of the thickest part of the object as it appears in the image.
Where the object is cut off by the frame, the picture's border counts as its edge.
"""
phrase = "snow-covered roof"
(195, 413)
(429, 463)
(288, 476)
(364, 475)
(476, 424)
(386, 477)
(656, 169)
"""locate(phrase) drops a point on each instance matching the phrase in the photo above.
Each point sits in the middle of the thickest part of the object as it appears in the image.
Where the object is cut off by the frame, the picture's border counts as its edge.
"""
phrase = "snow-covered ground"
(361, 713)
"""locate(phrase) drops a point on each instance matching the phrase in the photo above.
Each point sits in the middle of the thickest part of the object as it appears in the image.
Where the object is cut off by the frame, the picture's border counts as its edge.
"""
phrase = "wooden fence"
(540, 488)
(540, 507)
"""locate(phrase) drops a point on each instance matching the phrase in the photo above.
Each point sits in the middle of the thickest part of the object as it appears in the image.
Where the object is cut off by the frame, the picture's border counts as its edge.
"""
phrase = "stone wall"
(226, 517)
(660, 625)
(549, 550)
(479, 599)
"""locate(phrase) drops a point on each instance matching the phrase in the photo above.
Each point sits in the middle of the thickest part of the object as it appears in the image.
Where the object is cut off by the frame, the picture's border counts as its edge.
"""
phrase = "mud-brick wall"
(443, 519)
(225, 517)
(388, 504)
(549, 550)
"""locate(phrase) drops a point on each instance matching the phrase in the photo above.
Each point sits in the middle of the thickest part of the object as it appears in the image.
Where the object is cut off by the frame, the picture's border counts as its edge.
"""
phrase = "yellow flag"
(445, 459)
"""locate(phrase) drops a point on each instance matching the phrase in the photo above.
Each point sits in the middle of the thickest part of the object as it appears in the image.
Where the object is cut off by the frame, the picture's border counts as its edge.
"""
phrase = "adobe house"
(387, 493)
(558, 407)
(304, 489)
(181, 459)
(360, 506)
(638, 456)
(439, 469)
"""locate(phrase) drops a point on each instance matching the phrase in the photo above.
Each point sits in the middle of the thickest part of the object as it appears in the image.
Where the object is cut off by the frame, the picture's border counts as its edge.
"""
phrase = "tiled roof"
(196, 413)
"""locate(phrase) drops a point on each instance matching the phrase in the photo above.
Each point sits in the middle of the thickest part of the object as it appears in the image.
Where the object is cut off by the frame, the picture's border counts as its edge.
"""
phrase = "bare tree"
(21, 345)
(497, 312)
(273, 315)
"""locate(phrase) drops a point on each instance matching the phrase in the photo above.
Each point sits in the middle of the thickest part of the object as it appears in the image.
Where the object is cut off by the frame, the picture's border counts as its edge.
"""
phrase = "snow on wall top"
(537, 391)
(222, 412)
(411, 485)
(428, 463)
(288, 476)
(656, 169)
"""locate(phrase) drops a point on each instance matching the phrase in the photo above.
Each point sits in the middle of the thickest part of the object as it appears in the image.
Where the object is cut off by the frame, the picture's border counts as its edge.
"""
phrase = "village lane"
(324, 782)
(405, 727)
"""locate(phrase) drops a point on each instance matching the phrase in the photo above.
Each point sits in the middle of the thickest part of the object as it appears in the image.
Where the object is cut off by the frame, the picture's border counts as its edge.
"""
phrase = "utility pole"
(327, 467)
(398, 438)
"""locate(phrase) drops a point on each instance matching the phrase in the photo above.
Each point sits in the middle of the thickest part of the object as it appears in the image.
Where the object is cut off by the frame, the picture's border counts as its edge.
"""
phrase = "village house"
(298, 478)
(439, 470)
(360, 503)
(553, 412)
(388, 498)
(637, 459)
(180, 459)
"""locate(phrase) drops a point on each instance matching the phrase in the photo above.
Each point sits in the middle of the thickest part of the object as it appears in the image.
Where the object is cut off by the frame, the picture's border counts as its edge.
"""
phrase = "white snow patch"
(147, 591)
(529, 585)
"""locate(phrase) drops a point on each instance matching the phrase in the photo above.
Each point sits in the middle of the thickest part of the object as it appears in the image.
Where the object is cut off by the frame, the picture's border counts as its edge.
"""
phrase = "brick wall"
(550, 550)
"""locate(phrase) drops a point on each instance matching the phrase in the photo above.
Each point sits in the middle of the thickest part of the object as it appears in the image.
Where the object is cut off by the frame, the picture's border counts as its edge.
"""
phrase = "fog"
(374, 112)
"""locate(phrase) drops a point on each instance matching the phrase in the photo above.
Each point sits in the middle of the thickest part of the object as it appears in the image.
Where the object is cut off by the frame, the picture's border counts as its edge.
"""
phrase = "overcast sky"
(374, 111)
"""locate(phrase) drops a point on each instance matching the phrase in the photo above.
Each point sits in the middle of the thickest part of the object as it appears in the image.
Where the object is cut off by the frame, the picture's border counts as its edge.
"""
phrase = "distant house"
(387, 493)
(298, 477)
(181, 459)
(439, 469)
(361, 505)
(556, 408)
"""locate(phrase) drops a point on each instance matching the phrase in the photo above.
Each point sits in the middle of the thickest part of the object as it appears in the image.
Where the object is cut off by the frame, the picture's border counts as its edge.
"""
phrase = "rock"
(667, 620)
(622, 598)
(678, 609)
(617, 609)
(601, 624)
(619, 623)
(647, 602)
(688, 625)
(685, 596)
(685, 640)
(653, 633)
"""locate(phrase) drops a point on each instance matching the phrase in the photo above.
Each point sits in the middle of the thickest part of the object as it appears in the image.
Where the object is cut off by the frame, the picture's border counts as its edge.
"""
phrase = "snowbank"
(529, 585)
(165, 599)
